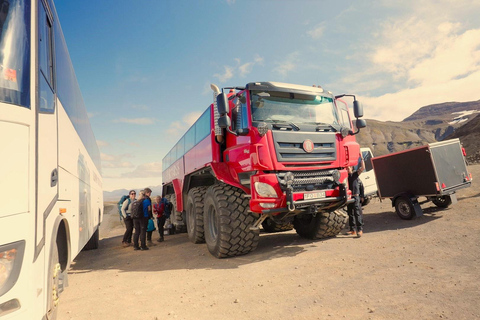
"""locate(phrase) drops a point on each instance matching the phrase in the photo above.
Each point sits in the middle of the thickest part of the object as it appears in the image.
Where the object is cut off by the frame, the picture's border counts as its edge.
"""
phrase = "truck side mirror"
(357, 109)
(224, 122)
(360, 123)
(222, 104)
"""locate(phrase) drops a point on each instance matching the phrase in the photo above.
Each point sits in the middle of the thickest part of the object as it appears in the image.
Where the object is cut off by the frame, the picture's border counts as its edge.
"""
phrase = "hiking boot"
(351, 233)
(136, 248)
(144, 248)
(359, 234)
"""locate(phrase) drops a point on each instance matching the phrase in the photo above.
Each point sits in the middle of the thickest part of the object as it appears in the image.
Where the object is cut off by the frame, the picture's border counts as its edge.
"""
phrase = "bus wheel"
(176, 217)
(322, 225)
(227, 222)
(92, 244)
(271, 226)
(54, 274)
(195, 214)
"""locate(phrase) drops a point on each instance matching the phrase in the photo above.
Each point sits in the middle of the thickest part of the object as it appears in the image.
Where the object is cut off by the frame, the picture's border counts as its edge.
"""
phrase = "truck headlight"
(265, 190)
(11, 256)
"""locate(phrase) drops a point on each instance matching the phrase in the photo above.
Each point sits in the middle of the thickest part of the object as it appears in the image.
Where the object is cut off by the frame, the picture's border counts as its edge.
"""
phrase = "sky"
(145, 67)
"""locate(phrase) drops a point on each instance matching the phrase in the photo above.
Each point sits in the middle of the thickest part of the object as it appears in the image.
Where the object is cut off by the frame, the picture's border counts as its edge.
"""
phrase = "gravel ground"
(426, 268)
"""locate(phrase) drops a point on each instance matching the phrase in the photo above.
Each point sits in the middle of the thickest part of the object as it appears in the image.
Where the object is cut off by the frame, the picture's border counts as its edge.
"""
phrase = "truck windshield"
(275, 106)
(14, 52)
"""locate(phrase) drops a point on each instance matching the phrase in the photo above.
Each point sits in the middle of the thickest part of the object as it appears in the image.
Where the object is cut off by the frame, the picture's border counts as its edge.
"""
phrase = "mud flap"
(416, 207)
(453, 197)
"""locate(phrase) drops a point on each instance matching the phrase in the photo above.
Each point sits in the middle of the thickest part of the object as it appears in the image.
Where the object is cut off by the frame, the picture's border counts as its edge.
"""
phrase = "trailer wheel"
(442, 202)
(194, 214)
(323, 225)
(227, 222)
(404, 208)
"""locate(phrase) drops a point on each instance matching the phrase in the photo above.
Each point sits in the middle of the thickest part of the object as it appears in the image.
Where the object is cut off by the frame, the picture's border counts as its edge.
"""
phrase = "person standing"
(141, 222)
(354, 209)
(127, 218)
(159, 212)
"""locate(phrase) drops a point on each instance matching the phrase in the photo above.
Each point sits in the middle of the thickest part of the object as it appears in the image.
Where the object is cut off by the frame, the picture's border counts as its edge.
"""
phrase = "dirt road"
(427, 268)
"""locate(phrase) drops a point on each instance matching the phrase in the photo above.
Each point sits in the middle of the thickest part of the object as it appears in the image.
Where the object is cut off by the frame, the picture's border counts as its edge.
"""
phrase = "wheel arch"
(61, 235)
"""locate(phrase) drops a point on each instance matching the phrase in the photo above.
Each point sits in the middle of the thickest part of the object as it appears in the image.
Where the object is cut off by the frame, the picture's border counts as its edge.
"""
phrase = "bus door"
(47, 142)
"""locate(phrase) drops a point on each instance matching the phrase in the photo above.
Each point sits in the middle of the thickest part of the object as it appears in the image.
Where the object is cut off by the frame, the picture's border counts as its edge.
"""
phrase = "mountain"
(115, 195)
(431, 123)
(469, 135)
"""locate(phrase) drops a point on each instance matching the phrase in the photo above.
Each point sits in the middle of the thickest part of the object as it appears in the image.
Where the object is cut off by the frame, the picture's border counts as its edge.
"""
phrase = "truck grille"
(310, 180)
(289, 146)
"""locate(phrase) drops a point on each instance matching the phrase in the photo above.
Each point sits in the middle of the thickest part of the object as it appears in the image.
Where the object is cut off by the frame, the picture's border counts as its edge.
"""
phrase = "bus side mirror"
(224, 122)
(360, 123)
(357, 109)
(222, 104)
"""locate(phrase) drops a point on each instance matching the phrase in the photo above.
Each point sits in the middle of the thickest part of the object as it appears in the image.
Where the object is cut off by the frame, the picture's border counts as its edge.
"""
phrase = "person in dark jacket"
(354, 209)
(141, 223)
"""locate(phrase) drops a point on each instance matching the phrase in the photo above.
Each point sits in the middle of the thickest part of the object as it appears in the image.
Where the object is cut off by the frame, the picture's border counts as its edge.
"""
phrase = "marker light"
(265, 190)
(267, 205)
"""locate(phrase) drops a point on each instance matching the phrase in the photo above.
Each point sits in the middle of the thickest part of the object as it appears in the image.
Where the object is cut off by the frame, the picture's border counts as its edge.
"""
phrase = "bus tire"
(92, 244)
(322, 225)
(227, 222)
(271, 226)
(176, 217)
(53, 289)
(194, 214)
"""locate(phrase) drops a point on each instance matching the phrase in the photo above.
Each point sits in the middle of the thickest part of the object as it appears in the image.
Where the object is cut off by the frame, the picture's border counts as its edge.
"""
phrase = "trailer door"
(449, 163)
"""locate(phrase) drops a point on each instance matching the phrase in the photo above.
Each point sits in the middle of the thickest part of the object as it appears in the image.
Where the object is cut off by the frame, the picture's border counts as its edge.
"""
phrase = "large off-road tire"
(323, 225)
(442, 202)
(271, 226)
(227, 222)
(404, 208)
(194, 214)
(176, 217)
(92, 244)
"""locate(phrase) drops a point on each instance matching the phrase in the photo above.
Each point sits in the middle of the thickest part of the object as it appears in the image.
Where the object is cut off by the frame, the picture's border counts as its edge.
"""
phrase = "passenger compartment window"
(45, 60)
(15, 52)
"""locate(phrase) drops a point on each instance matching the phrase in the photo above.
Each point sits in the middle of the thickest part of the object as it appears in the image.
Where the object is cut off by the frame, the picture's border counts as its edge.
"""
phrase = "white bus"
(50, 184)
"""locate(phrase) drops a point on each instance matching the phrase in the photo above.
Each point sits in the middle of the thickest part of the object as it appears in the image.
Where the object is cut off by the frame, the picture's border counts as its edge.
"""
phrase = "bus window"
(15, 52)
(45, 57)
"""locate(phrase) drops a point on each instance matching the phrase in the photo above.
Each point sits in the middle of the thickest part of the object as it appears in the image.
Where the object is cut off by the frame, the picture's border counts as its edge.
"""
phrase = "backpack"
(137, 209)
(120, 203)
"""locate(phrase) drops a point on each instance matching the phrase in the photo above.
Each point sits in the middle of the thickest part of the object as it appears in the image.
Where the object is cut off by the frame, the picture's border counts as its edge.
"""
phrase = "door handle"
(54, 178)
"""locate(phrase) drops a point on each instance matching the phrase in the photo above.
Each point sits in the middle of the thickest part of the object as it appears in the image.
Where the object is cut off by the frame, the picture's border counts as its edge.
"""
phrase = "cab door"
(46, 142)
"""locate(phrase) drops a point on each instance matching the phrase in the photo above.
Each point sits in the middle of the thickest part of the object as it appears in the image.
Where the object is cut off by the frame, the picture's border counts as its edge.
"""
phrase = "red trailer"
(269, 154)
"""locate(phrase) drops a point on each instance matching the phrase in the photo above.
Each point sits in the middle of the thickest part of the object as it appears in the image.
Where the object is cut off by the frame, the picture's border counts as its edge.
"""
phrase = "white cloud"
(146, 170)
(102, 143)
(429, 55)
(317, 32)
(227, 75)
(139, 121)
(287, 65)
(115, 161)
(177, 128)
(243, 69)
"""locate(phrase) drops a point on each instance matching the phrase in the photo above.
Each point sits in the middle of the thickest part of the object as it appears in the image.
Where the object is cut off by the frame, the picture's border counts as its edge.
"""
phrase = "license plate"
(313, 195)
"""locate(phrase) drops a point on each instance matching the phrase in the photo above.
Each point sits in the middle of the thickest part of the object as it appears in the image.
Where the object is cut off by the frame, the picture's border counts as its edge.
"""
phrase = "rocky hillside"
(469, 135)
(429, 124)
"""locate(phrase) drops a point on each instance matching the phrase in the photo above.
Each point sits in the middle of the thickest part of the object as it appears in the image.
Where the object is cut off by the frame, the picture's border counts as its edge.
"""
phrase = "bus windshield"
(14, 52)
(275, 106)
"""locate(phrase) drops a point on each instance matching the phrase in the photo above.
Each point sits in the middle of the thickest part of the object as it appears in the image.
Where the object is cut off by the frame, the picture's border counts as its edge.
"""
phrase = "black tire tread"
(197, 195)
(323, 225)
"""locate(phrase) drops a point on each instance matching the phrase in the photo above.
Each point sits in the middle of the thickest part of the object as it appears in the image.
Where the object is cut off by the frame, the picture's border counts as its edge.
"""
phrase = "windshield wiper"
(284, 124)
